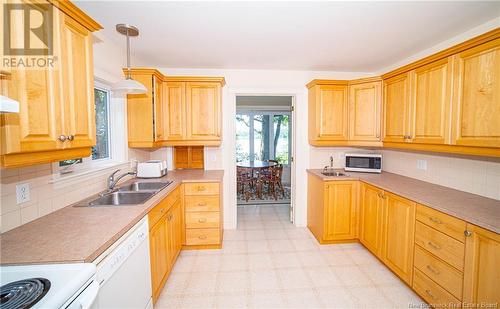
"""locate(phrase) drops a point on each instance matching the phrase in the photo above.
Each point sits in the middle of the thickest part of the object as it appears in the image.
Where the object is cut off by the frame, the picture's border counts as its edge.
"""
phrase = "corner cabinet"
(56, 104)
(175, 111)
(396, 108)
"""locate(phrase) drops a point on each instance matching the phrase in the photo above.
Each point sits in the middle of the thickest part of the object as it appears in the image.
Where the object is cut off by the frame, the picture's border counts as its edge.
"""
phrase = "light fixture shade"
(8, 105)
(128, 86)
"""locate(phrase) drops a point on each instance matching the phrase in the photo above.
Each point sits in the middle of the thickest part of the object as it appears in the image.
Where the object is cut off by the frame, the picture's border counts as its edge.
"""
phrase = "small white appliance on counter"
(67, 286)
(124, 271)
(152, 169)
(363, 162)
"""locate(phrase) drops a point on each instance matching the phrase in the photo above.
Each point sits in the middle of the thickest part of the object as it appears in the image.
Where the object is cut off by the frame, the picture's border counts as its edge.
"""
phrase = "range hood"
(8, 105)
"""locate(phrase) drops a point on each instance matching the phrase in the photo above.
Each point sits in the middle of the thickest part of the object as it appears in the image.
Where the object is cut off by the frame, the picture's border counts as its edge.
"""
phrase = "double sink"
(132, 194)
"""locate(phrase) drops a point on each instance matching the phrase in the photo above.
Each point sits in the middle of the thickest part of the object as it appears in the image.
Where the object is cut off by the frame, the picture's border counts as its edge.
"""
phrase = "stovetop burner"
(23, 293)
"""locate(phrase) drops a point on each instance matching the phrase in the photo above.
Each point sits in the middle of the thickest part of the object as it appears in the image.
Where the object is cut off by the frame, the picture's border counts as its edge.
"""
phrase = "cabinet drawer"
(201, 203)
(202, 236)
(441, 245)
(205, 219)
(443, 274)
(432, 293)
(159, 210)
(442, 222)
(201, 188)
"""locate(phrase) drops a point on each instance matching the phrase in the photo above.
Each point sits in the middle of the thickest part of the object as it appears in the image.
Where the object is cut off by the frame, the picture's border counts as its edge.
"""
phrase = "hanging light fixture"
(128, 85)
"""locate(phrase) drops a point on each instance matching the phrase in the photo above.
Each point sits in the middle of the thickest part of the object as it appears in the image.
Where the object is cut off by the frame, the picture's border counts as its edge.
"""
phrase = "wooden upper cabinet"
(328, 112)
(396, 108)
(160, 112)
(481, 271)
(340, 210)
(203, 107)
(399, 232)
(175, 111)
(365, 103)
(55, 102)
(476, 120)
(431, 103)
(371, 216)
(78, 83)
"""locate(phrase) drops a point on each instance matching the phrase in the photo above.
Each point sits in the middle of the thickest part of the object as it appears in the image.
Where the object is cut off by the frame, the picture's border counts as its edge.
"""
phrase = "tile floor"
(269, 263)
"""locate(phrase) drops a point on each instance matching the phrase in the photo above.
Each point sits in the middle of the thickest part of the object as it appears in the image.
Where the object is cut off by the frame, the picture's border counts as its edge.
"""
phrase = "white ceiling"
(329, 36)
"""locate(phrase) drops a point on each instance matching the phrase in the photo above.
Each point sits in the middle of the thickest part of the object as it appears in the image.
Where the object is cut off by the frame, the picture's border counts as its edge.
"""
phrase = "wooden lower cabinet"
(482, 269)
(371, 216)
(164, 240)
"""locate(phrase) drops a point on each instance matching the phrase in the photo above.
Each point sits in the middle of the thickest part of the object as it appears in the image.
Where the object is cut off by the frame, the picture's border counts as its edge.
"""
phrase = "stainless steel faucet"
(112, 181)
(331, 161)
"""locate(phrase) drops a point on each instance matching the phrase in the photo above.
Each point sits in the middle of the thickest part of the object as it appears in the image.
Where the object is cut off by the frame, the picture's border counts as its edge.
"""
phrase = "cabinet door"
(477, 96)
(158, 254)
(38, 124)
(340, 210)
(175, 121)
(365, 102)
(396, 108)
(170, 230)
(371, 213)
(331, 112)
(159, 109)
(399, 231)
(431, 103)
(78, 83)
(481, 272)
(178, 227)
(203, 102)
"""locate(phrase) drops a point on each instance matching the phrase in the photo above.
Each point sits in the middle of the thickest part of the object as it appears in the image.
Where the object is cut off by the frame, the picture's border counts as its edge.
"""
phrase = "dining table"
(256, 164)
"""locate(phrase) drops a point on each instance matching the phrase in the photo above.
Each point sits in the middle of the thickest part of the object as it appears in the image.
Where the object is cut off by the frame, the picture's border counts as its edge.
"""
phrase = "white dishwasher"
(124, 272)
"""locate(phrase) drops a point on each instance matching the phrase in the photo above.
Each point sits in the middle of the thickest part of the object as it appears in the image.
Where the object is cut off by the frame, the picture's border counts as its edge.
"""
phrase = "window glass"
(101, 149)
(242, 138)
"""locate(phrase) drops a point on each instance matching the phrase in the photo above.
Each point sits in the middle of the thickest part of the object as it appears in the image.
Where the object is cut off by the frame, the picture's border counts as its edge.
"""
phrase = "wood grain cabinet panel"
(158, 256)
(444, 223)
(431, 103)
(203, 111)
(396, 108)
(371, 217)
(341, 210)
(482, 271)
(175, 113)
(433, 293)
(399, 231)
(477, 96)
(365, 103)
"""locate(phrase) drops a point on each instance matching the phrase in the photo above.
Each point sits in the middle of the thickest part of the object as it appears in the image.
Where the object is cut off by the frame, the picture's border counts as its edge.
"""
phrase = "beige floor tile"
(234, 262)
(305, 298)
(337, 258)
(191, 301)
(234, 246)
(255, 235)
(281, 245)
(402, 297)
(238, 300)
(206, 263)
(260, 261)
(276, 234)
(323, 277)
(312, 258)
(338, 297)
(264, 280)
(352, 276)
(304, 244)
(294, 278)
(369, 297)
(286, 260)
(267, 300)
(176, 284)
(201, 283)
(258, 246)
(228, 282)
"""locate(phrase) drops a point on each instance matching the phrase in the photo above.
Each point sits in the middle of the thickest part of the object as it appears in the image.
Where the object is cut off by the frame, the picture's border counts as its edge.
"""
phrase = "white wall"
(261, 82)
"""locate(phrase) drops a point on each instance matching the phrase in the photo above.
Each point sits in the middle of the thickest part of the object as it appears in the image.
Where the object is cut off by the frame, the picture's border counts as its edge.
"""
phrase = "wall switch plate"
(422, 165)
(23, 193)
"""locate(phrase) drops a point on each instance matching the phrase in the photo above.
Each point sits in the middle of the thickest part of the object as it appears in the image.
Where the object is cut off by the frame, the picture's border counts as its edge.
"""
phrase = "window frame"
(100, 87)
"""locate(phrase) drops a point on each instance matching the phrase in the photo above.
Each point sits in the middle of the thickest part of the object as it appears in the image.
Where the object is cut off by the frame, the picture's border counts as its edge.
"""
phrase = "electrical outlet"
(214, 158)
(23, 193)
(422, 165)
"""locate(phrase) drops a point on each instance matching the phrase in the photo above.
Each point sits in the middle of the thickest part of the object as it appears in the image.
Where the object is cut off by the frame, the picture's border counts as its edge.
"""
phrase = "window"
(262, 136)
(101, 149)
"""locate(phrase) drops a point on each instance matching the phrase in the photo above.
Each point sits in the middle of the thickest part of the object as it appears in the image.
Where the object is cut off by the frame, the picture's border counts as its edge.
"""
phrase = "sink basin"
(144, 186)
(121, 198)
(334, 174)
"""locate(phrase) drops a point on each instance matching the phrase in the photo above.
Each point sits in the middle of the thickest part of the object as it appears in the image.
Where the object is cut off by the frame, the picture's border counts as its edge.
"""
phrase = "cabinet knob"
(428, 292)
(377, 136)
(70, 137)
(467, 233)
(204, 220)
(202, 237)
(62, 138)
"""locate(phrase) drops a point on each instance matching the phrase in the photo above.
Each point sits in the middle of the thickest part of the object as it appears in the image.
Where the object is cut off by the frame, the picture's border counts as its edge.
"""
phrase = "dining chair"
(274, 181)
(244, 181)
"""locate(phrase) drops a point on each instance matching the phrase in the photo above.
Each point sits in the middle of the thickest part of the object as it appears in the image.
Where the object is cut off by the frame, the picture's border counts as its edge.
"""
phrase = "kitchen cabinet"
(56, 119)
(158, 255)
(396, 108)
(203, 112)
(173, 233)
(481, 271)
(192, 157)
(202, 215)
(328, 112)
(371, 216)
(175, 120)
(365, 104)
(431, 103)
(476, 101)
(398, 235)
(332, 210)
(146, 112)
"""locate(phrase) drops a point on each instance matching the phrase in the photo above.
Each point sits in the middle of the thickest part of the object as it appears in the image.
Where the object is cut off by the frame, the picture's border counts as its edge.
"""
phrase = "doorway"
(264, 138)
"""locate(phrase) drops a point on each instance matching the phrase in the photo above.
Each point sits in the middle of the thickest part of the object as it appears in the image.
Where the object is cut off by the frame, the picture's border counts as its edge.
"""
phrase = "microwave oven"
(363, 162)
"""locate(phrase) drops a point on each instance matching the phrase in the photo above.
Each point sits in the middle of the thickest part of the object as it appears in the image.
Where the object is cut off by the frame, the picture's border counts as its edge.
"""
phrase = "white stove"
(48, 286)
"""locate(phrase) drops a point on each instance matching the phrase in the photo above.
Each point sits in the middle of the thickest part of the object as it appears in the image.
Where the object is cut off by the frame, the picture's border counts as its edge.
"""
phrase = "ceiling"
(325, 36)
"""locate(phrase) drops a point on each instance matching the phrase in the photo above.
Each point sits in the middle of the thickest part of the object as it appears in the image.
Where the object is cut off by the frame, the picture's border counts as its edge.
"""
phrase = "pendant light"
(128, 85)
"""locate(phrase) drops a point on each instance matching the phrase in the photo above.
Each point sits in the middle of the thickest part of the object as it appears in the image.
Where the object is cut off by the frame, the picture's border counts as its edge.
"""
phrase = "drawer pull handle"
(433, 270)
(202, 204)
(467, 233)
(204, 220)
(201, 188)
(202, 237)
(428, 292)
(162, 210)
(435, 220)
(433, 245)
